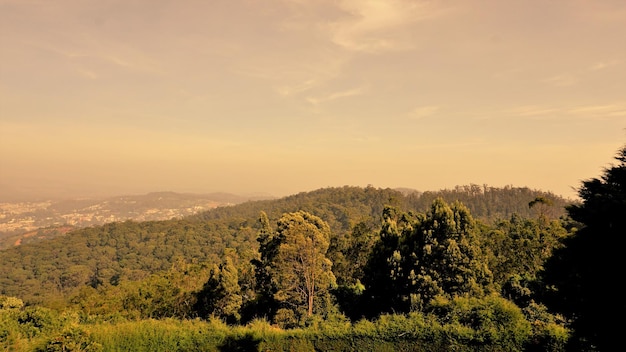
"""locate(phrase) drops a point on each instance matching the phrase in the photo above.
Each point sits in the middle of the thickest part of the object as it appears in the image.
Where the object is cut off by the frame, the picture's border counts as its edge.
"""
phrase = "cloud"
(87, 73)
(584, 112)
(86, 49)
(336, 95)
(375, 26)
(604, 111)
(564, 80)
(423, 111)
(603, 65)
(533, 110)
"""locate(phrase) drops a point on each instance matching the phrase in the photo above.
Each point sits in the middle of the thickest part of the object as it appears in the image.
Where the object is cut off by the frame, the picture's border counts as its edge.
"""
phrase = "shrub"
(72, 339)
(7, 302)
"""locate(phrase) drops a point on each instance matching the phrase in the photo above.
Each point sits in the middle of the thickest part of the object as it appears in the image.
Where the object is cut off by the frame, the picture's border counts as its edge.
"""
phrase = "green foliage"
(420, 257)
(517, 249)
(294, 266)
(167, 294)
(492, 203)
(443, 255)
(493, 320)
(549, 331)
(7, 302)
(381, 293)
(349, 253)
(221, 295)
(460, 325)
(70, 339)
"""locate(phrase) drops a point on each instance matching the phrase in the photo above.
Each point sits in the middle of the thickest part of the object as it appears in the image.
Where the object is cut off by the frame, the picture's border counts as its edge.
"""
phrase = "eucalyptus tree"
(294, 276)
(301, 271)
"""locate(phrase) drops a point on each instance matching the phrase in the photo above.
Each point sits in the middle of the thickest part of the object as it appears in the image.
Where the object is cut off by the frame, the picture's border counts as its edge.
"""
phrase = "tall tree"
(443, 256)
(264, 304)
(300, 270)
(421, 256)
(221, 295)
(381, 290)
(520, 246)
(585, 276)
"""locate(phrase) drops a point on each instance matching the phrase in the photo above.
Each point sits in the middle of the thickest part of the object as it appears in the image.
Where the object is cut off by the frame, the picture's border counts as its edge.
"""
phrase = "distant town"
(18, 218)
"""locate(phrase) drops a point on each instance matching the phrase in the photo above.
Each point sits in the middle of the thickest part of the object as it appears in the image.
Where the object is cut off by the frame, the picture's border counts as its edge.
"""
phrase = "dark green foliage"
(264, 303)
(583, 277)
(420, 257)
(443, 256)
(520, 246)
(549, 332)
(492, 203)
(381, 294)
(245, 343)
(350, 252)
(293, 266)
(221, 294)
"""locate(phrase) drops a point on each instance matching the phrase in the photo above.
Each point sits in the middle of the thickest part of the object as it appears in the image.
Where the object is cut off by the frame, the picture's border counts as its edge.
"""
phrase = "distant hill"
(22, 222)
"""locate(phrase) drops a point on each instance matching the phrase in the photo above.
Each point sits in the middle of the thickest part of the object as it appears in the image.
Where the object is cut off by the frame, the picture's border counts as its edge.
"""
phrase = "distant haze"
(285, 96)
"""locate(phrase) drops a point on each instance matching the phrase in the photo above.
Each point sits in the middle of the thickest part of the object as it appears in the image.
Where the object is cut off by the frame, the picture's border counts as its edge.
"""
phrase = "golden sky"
(285, 96)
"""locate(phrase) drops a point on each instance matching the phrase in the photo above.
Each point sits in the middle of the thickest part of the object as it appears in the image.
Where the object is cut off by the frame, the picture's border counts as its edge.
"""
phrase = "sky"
(287, 96)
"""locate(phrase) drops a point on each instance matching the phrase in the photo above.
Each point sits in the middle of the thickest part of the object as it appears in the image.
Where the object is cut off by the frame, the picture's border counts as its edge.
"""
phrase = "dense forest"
(346, 268)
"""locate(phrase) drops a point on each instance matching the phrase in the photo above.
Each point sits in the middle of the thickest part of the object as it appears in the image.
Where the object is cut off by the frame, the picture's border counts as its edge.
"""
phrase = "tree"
(518, 247)
(300, 270)
(221, 295)
(422, 256)
(542, 204)
(443, 256)
(584, 277)
(265, 304)
(381, 291)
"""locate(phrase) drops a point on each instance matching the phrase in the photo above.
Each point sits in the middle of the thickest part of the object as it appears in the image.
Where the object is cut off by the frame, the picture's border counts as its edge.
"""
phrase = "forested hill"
(333, 204)
(130, 251)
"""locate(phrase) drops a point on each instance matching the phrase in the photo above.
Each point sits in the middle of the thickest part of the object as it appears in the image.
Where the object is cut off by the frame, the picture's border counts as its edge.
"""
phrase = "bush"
(7, 302)
(72, 339)
(492, 320)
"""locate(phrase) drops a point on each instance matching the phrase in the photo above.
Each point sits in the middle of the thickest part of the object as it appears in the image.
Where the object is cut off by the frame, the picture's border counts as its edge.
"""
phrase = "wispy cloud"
(87, 73)
(423, 111)
(295, 78)
(374, 26)
(606, 111)
(336, 95)
(87, 51)
(603, 65)
(581, 112)
(533, 110)
(564, 80)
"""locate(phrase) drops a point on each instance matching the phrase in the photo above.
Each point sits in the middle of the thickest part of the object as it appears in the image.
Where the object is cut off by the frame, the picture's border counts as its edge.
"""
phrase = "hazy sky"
(286, 96)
